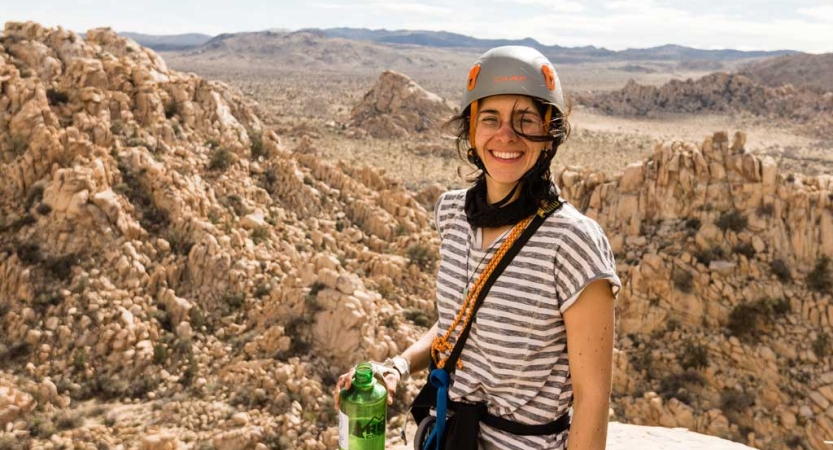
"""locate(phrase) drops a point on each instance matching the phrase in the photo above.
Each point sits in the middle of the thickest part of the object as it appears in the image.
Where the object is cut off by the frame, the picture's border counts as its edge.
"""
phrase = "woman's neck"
(496, 192)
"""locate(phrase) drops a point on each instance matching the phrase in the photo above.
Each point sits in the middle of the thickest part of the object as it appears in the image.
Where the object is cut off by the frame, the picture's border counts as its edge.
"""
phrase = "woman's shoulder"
(568, 217)
(451, 199)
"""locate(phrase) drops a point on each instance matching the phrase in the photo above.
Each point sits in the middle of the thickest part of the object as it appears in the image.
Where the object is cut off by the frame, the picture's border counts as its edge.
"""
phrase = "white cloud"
(574, 6)
(824, 13)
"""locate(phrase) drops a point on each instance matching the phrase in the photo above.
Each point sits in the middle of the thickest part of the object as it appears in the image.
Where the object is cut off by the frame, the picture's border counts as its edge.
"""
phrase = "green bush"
(820, 279)
(732, 220)
(160, 354)
(258, 149)
(260, 234)
(221, 159)
(68, 420)
(705, 257)
(234, 300)
(422, 255)
(420, 317)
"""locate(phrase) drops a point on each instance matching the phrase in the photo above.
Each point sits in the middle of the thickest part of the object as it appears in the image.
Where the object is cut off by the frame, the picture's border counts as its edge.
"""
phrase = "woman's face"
(506, 155)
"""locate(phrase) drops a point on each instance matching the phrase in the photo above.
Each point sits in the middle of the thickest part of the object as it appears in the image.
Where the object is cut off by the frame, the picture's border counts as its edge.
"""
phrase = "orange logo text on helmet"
(506, 78)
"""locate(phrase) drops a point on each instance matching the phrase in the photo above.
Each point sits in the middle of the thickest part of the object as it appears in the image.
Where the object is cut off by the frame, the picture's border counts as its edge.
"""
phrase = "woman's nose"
(505, 132)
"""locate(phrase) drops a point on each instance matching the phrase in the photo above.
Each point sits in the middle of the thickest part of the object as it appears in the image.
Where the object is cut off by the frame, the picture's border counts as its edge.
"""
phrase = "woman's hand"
(388, 376)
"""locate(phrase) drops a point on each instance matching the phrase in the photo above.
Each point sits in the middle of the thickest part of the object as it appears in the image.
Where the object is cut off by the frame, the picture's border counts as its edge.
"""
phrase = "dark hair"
(538, 179)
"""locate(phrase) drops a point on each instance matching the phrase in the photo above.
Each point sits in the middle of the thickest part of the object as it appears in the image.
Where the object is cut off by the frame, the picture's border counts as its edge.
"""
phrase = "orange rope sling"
(440, 344)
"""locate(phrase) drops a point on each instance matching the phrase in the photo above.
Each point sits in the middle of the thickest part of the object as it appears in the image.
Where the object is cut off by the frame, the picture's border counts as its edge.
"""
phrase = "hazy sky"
(805, 25)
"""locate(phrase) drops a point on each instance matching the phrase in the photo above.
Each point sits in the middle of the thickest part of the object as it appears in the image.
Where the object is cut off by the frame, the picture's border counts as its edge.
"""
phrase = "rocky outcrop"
(397, 107)
(727, 309)
(721, 93)
(156, 241)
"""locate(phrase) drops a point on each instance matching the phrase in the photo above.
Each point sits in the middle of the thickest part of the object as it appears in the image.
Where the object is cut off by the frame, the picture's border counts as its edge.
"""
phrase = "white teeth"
(507, 155)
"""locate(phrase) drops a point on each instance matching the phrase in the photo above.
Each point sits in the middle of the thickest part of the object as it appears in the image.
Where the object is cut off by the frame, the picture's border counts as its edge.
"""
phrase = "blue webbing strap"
(440, 379)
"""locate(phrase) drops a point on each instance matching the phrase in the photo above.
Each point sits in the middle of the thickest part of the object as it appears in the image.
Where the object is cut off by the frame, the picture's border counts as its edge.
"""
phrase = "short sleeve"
(584, 256)
(437, 223)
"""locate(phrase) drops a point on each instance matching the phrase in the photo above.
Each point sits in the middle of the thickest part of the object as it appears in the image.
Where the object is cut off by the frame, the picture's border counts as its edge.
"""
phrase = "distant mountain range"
(443, 39)
(173, 42)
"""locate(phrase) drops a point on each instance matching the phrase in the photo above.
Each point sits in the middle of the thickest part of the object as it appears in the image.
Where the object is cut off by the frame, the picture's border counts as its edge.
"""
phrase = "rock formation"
(158, 246)
(725, 319)
(398, 107)
(721, 93)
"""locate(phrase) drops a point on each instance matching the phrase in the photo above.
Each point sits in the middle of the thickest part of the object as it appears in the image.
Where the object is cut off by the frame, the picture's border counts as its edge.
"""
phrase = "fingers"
(345, 381)
(391, 383)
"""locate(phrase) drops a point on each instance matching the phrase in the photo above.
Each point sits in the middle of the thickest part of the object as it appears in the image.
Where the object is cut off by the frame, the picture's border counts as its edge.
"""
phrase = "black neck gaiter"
(480, 214)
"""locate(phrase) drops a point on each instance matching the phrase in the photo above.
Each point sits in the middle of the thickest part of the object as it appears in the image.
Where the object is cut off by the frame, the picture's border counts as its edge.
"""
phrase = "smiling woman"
(498, 351)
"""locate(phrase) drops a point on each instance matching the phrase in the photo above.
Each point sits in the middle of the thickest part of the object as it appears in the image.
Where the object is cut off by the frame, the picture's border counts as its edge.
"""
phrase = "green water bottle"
(362, 415)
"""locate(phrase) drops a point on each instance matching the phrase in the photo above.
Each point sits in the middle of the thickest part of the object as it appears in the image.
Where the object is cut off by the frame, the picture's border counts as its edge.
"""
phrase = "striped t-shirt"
(516, 357)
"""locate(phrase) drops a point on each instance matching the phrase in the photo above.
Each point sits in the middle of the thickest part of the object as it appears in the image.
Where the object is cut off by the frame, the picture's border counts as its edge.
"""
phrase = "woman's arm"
(590, 322)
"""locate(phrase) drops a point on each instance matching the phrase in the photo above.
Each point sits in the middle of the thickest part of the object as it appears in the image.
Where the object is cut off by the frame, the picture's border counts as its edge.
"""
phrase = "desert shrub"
(641, 359)
(746, 249)
(43, 209)
(258, 149)
(163, 318)
(29, 253)
(747, 319)
(269, 181)
(56, 97)
(19, 144)
(180, 244)
(781, 271)
(60, 267)
(683, 280)
(160, 354)
(234, 300)
(705, 257)
(152, 219)
(236, 204)
(790, 178)
(116, 127)
(780, 306)
(260, 234)
(420, 317)
(765, 210)
(732, 220)
(262, 290)
(68, 420)
(171, 108)
(79, 360)
(308, 180)
(820, 279)
(11, 442)
(736, 401)
(693, 224)
(196, 317)
(41, 428)
(694, 356)
(311, 299)
(422, 256)
(221, 159)
(676, 385)
(821, 346)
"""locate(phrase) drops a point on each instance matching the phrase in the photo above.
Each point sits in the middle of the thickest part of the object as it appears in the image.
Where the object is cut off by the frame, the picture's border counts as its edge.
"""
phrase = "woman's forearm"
(419, 354)
(588, 430)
